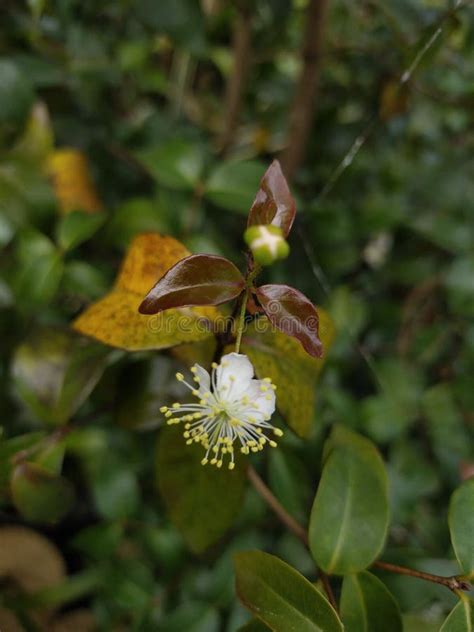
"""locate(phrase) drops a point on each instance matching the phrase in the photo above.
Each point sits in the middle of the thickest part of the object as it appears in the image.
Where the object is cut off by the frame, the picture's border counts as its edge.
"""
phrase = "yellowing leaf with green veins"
(115, 320)
(295, 373)
(72, 182)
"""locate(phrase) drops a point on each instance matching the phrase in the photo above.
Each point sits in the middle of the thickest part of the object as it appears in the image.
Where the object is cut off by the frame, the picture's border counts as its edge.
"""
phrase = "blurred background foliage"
(118, 118)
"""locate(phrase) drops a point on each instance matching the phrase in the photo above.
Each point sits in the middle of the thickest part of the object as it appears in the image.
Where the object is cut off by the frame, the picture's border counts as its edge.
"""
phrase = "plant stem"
(453, 583)
(241, 321)
(289, 522)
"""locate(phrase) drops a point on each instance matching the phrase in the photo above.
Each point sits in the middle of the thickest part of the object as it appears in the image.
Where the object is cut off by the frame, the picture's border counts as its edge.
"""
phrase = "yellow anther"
(214, 365)
(176, 405)
(231, 465)
(219, 463)
(189, 441)
(196, 379)
(193, 369)
(213, 461)
(179, 377)
(163, 409)
(186, 434)
(195, 393)
(204, 461)
(268, 397)
(278, 432)
(268, 380)
(273, 444)
(169, 414)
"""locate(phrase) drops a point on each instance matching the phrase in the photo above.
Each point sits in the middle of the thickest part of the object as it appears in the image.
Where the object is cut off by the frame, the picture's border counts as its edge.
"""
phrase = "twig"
(302, 109)
(242, 47)
(289, 522)
(454, 583)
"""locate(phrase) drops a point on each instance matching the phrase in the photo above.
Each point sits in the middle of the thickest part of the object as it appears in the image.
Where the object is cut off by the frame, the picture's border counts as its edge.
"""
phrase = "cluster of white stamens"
(233, 407)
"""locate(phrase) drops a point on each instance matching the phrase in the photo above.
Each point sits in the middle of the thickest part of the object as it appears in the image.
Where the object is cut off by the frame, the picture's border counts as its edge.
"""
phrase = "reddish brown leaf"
(274, 203)
(293, 314)
(195, 280)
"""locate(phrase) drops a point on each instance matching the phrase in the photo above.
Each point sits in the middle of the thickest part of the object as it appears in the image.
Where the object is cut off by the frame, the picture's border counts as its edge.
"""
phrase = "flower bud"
(267, 243)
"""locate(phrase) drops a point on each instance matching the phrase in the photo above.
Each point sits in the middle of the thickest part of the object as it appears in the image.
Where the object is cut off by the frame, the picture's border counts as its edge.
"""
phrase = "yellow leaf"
(72, 181)
(295, 373)
(114, 320)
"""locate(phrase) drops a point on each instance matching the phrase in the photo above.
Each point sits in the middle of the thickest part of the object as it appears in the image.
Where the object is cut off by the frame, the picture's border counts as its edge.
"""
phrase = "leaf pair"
(211, 280)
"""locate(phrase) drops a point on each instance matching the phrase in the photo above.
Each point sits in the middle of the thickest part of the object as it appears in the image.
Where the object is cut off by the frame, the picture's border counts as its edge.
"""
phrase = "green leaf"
(177, 164)
(76, 227)
(39, 271)
(115, 489)
(293, 314)
(445, 428)
(461, 617)
(39, 495)
(55, 372)
(192, 617)
(254, 626)
(461, 526)
(201, 501)
(273, 203)
(16, 93)
(349, 519)
(295, 373)
(280, 596)
(290, 481)
(195, 280)
(367, 605)
(232, 185)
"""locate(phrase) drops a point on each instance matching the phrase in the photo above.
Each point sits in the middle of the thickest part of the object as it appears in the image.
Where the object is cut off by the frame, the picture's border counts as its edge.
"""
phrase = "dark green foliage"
(112, 116)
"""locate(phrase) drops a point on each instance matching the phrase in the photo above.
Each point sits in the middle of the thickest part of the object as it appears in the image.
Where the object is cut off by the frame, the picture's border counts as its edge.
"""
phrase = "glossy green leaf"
(201, 501)
(76, 227)
(282, 598)
(177, 164)
(461, 618)
(293, 314)
(195, 280)
(367, 605)
(232, 185)
(273, 203)
(461, 526)
(349, 518)
(39, 495)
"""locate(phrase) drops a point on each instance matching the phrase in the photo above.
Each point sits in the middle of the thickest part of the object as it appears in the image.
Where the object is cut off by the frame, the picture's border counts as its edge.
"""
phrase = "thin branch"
(289, 522)
(454, 583)
(242, 52)
(302, 109)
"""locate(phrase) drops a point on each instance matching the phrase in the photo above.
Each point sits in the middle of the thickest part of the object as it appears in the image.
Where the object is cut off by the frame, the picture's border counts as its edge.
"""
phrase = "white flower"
(233, 407)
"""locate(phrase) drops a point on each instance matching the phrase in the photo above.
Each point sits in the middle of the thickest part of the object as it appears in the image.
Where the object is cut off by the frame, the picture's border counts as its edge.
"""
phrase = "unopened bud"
(267, 243)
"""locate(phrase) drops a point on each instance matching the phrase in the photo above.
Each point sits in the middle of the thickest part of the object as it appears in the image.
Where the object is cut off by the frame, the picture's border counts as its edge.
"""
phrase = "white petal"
(263, 400)
(233, 376)
(204, 378)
